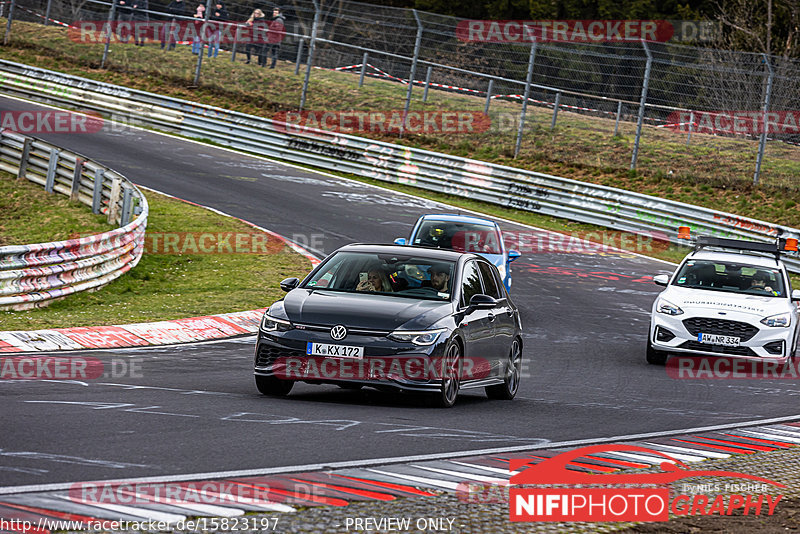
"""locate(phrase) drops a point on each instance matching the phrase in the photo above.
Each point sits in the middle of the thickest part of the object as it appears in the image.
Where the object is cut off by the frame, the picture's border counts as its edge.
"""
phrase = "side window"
(471, 283)
(489, 281)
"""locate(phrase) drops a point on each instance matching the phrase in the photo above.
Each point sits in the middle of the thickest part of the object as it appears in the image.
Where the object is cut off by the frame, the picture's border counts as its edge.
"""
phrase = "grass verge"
(162, 286)
(711, 171)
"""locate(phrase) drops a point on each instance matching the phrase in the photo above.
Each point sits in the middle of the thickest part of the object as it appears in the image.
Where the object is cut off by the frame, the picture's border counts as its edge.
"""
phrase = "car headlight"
(272, 324)
(422, 337)
(780, 320)
(668, 308)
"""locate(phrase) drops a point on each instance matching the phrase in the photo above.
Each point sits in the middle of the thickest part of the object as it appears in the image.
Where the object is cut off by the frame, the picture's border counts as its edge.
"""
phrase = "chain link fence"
(669, 86)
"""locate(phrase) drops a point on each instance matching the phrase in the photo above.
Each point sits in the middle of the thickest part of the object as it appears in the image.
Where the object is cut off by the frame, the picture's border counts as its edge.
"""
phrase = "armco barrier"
(34, 275)
(497, 184)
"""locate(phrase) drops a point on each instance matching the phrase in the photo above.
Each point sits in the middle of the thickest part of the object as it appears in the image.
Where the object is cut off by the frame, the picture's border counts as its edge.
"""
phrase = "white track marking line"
(422, 480)
(707, 454)
(136, 512)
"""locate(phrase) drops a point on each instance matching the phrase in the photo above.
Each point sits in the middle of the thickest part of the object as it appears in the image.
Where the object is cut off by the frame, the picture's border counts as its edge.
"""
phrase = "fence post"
(488, 96)
(236, 38)
(202, 48)
(97, 192)
(642, 101)
(427, 84)
(619, 114)
(109, 29)
(691, 126)
(76, 179)
(127, 195)
(47, 13)
(8, 23)
(417, 43)
(299, 56)
(555, 110)
(311, 48)
(363, 69)
(23, 160)
(763, 143)
(113, 209)
(528, 79)
(52, 166)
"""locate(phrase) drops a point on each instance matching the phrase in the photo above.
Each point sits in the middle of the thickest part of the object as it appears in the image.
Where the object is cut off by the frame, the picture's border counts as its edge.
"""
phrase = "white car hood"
(696, 299)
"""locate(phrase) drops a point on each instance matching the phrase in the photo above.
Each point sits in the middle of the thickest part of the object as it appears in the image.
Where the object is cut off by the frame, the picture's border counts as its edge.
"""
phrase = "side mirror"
(513, 255)
(661, 279)
(400, 241)
(289, 284)
(796, 295)
(482, 302)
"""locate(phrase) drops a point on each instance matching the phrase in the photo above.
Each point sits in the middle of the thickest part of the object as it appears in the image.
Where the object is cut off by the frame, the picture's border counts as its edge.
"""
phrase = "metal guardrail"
(34, 275)
(505, 186)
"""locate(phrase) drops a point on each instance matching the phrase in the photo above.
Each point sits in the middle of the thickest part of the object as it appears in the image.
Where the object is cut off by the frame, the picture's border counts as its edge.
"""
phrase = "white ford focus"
(727, 298)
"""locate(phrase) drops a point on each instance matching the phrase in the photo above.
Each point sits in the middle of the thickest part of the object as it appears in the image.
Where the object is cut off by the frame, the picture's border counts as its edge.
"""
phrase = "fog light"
(776, 347)
(662, 334)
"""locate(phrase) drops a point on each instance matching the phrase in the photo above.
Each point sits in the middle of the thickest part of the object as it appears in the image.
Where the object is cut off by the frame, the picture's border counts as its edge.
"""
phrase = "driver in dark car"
(440, 277)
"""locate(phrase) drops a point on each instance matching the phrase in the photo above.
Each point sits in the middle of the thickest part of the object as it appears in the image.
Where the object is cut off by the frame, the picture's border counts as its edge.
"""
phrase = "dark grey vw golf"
(393, 317)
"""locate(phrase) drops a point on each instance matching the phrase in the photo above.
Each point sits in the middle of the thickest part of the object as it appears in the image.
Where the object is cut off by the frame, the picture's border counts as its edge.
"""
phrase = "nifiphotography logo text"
(581, 496)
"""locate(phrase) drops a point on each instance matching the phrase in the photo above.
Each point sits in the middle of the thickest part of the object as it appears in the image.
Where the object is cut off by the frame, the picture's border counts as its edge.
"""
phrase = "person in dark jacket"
(176, 8)
(277, 30)
(139, 16)
(219, 14)
(123, 15)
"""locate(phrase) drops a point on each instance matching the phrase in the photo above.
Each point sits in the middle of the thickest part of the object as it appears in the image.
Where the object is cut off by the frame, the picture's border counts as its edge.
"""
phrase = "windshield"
(461, 237)
(387, 274)
(730, 277)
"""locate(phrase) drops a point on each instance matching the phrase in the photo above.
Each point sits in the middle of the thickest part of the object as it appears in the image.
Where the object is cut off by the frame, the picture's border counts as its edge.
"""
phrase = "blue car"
(464, 233)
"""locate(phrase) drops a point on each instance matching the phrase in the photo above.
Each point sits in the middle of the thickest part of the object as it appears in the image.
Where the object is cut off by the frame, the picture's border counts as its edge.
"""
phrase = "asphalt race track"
(195, 408)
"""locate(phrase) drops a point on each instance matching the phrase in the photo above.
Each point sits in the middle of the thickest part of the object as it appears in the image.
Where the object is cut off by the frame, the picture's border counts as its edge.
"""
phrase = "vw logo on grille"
(338, 332)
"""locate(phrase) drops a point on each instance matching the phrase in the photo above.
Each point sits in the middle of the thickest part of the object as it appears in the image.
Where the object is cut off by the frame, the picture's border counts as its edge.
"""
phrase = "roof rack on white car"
(776, 248)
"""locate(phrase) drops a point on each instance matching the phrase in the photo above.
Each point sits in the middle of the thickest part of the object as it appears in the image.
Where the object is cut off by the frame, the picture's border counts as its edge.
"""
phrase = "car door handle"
(510, 312)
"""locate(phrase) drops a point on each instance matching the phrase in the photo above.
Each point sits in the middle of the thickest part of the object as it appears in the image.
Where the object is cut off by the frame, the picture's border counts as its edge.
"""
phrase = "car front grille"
(724, 327)
(266, 354)
(718, 349)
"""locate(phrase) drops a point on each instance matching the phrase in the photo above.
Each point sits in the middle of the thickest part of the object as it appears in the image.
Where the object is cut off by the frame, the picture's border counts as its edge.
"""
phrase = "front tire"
(451, 376)
(656, 357)
(273, 386)
(508, 389)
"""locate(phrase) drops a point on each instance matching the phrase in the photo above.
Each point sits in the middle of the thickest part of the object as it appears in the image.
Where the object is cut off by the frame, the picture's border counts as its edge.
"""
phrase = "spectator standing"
(254, 44)
(139, 15)
(175, 9)
(219, 14)
(123, 15)
(277, 30)
(199, 16)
